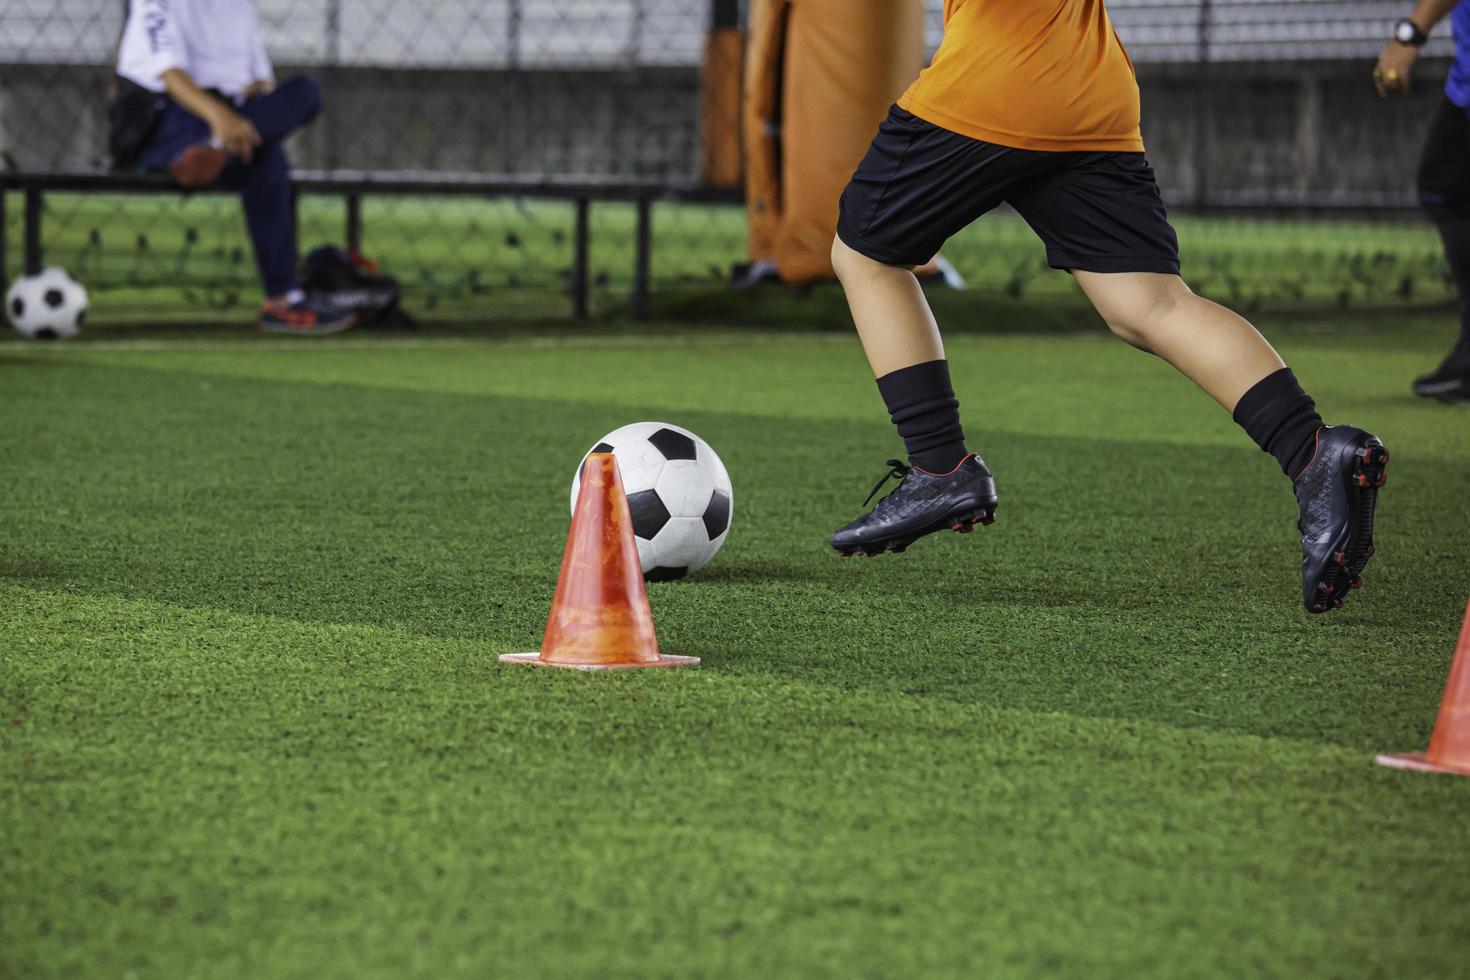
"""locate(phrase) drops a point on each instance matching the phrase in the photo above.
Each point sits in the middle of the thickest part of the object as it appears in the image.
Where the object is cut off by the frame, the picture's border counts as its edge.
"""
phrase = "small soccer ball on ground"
(49, 305)
(678, 492)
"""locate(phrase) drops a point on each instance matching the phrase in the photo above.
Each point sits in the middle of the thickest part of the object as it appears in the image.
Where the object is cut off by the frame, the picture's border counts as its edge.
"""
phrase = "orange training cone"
(599, 617)
(1449, 746)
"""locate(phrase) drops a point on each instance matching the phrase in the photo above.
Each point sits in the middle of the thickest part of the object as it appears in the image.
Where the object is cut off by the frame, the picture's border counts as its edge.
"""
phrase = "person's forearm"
(187, 93)
(1427, 13)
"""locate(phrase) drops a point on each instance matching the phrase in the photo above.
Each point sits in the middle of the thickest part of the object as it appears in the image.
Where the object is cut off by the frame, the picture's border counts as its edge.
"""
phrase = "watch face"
(1404, 31)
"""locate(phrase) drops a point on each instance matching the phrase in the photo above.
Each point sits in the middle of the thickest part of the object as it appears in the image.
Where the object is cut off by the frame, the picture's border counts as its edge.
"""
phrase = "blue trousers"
(264, 182)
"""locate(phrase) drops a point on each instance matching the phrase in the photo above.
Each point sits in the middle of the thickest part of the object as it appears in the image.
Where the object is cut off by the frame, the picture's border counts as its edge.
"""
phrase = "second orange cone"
(1449, 746)
(600, 618)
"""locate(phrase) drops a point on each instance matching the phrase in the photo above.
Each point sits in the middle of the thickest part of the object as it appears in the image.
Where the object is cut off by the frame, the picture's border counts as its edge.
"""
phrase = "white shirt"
(216, 41)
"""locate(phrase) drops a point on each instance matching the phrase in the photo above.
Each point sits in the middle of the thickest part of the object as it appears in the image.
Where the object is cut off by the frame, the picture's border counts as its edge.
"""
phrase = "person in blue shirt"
(1444, 169)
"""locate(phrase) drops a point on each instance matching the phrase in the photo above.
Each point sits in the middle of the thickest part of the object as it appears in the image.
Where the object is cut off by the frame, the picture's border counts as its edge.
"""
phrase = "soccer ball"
(48, 305)
(678, 491)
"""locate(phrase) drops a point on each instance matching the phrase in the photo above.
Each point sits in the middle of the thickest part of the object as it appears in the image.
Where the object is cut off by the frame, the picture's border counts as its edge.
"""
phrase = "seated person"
(223, 123)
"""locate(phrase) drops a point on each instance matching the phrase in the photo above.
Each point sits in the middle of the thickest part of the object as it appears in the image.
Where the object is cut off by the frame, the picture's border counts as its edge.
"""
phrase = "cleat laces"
(897, 469)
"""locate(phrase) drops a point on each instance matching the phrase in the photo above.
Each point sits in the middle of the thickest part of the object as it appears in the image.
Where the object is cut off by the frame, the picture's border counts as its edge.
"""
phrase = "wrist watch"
(1407, 32)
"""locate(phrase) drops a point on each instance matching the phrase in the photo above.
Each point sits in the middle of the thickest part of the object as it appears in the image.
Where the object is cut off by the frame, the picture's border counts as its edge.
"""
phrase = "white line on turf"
(151, 345)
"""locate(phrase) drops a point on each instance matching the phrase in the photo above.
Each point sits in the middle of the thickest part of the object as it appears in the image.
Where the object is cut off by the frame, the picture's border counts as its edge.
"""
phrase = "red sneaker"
(199, 165)
(311, 316)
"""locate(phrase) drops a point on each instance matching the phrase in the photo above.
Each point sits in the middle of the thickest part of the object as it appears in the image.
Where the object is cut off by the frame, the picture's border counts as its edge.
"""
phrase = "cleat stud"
(1356, 583)
(1324, 588)
(988, 519)
(1340, 558)
(1382, 479)
(1368, 553)
(1337, 604)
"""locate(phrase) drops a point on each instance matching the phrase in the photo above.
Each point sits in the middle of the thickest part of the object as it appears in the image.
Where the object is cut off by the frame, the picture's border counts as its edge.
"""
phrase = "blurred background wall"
(1247, 105)
(1243, 101)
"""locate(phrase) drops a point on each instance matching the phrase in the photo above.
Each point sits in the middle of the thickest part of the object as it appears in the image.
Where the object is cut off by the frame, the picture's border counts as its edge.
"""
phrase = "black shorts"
(920, 184)
(1444, 169)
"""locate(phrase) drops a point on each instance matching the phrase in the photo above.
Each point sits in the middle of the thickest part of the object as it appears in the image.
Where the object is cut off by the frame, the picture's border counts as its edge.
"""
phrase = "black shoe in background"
(1449, 382)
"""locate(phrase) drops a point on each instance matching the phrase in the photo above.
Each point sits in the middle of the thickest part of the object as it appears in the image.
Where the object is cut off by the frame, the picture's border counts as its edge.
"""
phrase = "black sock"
(922, 404)
(1282, 419)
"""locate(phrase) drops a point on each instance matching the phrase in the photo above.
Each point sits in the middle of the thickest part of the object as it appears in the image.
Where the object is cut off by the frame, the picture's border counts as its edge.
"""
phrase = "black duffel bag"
(352, 282)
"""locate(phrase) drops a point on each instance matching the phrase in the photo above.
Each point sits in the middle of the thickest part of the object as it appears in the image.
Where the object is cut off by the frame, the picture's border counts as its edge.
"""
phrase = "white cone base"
(1418, 763)
(664, 660)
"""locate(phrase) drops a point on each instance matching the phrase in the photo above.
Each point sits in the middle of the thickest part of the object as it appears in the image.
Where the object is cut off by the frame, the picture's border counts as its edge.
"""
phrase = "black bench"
(353, 186)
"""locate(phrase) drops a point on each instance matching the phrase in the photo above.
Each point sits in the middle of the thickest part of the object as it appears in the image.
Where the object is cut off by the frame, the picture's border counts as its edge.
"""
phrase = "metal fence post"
(514, 105)
(354, 222)
(642, 258)
(1204, 110)
(1309, 136)
(332, 39)
(4, 238)
(724, 13)
(635, 32)
(34, 255)
(579, 259)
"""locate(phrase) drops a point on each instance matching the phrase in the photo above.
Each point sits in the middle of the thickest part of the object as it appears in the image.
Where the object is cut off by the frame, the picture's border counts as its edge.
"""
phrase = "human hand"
(236, 134)
(1395, 65)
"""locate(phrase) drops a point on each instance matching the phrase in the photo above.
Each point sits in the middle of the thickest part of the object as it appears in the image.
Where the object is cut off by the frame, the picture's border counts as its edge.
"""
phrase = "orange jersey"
(1031, 74)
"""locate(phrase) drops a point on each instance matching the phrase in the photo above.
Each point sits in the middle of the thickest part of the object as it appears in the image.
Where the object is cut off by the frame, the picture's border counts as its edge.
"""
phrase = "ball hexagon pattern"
(678, 493)
(47, 306)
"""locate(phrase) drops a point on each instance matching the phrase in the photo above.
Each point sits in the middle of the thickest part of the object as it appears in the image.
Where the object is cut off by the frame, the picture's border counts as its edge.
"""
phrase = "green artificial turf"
(252, 722)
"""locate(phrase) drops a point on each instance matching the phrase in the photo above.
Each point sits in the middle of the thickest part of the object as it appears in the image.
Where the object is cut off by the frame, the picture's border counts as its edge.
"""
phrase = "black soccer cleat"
(922, 503)
(1451, 388)
(1337, 493)
(1450, 382)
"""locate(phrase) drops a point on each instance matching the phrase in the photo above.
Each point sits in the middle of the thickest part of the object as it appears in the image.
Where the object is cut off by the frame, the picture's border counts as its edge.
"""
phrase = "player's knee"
(304, 91)
(1139, 316)
(1126, 331)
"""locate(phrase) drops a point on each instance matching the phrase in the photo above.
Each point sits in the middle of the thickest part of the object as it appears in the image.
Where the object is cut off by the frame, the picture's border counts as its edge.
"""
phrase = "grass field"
(252, 723)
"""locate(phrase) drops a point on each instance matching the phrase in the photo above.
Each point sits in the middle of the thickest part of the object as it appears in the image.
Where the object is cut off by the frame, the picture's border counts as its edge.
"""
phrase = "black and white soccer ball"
(47, 306)
(678, 491)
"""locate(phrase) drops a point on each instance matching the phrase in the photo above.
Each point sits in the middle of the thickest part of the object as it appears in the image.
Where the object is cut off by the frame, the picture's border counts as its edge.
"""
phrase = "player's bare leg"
(946, 487)
(1336, 470)
(889, 309)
